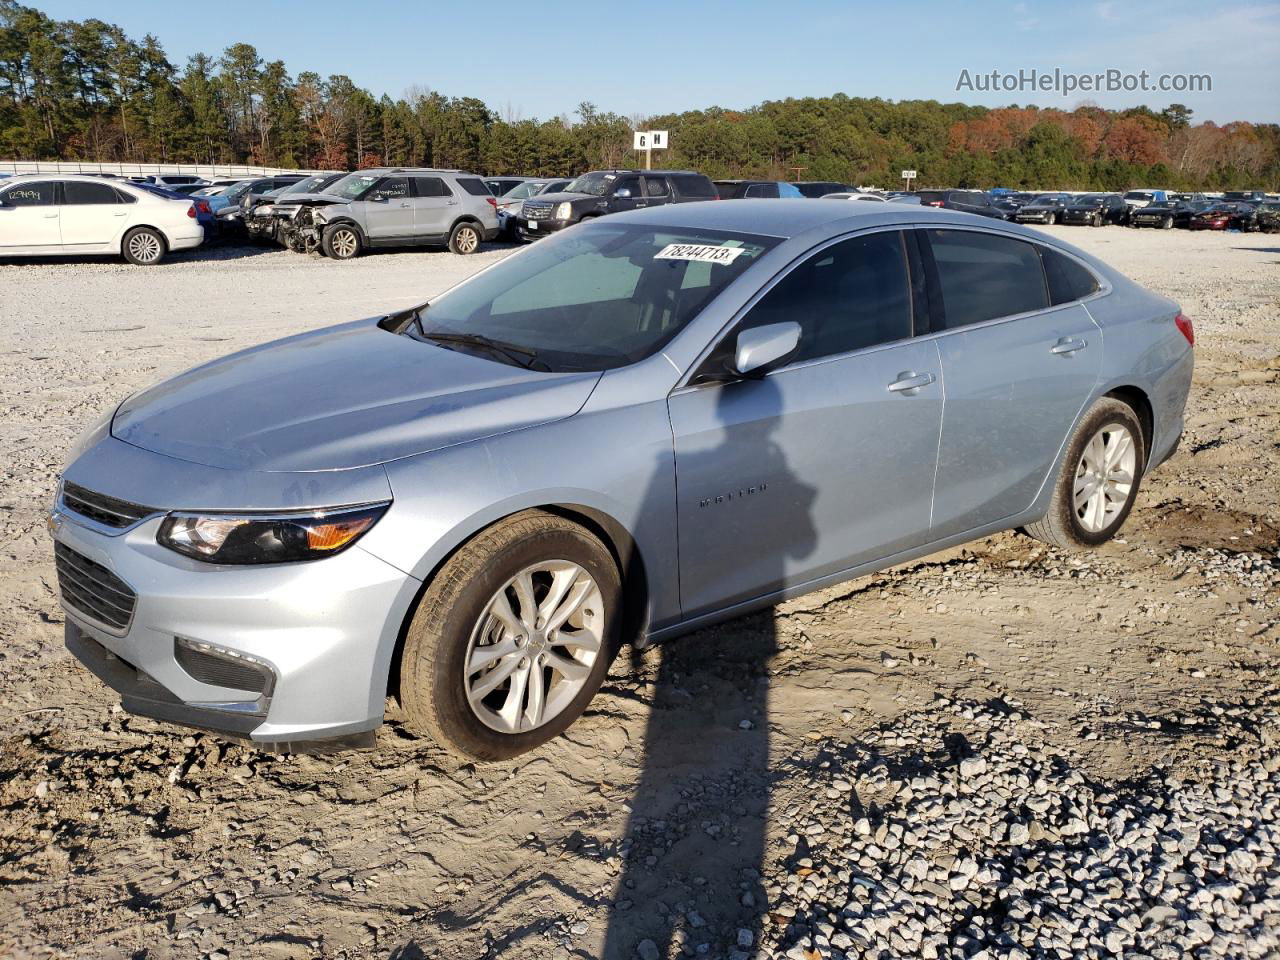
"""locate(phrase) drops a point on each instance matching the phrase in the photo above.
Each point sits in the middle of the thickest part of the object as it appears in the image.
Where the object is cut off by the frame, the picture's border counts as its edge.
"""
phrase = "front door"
(1018, 372)
(635, 195)
(389, 211)
(29, 214)
(821, 465)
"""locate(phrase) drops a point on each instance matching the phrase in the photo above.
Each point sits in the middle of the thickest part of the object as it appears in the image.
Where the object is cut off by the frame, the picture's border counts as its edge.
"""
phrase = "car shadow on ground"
(208, 252)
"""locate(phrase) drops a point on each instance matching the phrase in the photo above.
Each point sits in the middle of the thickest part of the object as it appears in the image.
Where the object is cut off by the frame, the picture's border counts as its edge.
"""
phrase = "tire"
(1166, 223)
(1051, 219)
(1063, 525)
(341, 241)
(455, 624)
(143, 246)
(1097, 220)
(465, 238)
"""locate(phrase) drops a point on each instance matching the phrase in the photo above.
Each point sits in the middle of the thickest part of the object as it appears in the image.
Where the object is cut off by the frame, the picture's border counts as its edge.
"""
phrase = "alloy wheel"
(532, 649)
(1104, 477)
(344, 243)
(468, 240)
(145, 247)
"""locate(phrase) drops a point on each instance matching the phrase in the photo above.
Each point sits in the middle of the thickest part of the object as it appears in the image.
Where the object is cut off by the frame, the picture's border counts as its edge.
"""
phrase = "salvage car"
(512, 202)
(391, 207)
(1096, 210)
(1046, 208)
(258, 213)
(650, 423)
(1268, 217)
(1226, 215)
(1167, 214)
(603, 192)
(75, 215)
(755, 189)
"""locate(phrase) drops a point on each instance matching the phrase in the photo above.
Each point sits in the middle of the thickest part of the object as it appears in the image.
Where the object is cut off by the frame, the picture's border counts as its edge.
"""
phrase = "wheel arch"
(613, 534)
(163, 234)
(1136, 398)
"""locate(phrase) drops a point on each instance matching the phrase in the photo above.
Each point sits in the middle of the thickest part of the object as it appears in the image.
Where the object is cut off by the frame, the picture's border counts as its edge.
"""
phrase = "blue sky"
(541, 60)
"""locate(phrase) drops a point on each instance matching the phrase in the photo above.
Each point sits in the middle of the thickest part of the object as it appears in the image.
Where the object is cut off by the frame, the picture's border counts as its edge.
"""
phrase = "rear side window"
(474, 186)
(78, 192)
(852, 295)
(1068, 280)
(431, 187)
(655, 187)
(983, 276)
(29, 194)
(687, 186)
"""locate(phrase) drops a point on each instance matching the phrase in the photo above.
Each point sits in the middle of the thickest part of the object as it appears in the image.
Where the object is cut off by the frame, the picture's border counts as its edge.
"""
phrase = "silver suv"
(394, 207)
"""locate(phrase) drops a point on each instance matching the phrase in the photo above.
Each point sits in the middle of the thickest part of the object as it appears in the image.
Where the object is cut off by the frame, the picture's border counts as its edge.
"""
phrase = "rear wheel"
(1099, 479)
(341, 241)
(465, 239)
(512, 638)
(143, 246)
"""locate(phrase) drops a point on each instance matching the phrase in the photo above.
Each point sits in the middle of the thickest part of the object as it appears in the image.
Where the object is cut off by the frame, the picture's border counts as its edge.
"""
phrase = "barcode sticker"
(702, 253)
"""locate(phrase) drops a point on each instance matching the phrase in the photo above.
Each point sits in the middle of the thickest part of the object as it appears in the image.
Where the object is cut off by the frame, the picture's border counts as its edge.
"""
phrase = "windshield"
(596, 184)
(1049, 198)
(1090, 199)
(1138, 195)
(523, 190)
(597, 297)
(306, 185)
(1162, 205)
(352, 185)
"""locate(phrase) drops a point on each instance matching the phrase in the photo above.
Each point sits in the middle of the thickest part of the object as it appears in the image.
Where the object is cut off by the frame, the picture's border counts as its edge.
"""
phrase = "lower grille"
(93, 590)
(220, 670)
(109, 511)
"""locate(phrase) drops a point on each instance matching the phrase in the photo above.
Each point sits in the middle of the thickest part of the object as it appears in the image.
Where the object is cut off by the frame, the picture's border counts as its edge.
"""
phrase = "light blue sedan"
(635, 428)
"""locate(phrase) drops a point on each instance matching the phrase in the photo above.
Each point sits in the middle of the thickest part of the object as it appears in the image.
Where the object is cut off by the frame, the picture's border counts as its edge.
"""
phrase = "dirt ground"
(663, 813)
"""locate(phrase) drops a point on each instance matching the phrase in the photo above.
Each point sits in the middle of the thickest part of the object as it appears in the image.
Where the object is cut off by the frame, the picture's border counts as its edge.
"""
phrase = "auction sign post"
(649, 141)
(908, 175)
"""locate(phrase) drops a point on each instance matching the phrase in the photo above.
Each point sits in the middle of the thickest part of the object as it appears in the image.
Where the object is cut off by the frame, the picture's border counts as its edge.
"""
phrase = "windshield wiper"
(522, 356)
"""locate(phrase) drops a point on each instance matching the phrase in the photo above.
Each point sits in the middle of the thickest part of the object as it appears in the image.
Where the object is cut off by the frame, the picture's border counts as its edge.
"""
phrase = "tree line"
(83, 90)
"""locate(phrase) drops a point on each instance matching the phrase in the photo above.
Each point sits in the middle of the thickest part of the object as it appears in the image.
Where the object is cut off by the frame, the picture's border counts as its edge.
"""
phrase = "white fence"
(206, 170)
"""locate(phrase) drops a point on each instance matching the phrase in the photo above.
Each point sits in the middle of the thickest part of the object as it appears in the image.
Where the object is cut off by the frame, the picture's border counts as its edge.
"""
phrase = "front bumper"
(324, 631)
(1032, 217)
(1078, 217)
(533, 229)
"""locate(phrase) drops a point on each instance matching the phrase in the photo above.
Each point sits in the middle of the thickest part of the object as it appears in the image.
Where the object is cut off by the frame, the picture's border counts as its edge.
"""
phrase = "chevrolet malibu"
(641, 426)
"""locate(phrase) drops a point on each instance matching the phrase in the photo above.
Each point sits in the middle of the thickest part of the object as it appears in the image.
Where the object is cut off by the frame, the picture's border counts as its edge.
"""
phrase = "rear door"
(822, 464)
(656, 190)
(29, 215)
(92, 214)
(433, 205)
(388, 210)
(1018, 370)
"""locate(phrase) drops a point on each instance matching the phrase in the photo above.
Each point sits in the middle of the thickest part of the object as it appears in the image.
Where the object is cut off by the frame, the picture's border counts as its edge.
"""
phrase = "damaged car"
(387, 207)
(260, 222)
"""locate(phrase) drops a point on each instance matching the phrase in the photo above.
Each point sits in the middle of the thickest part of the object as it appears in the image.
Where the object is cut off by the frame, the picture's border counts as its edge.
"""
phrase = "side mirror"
(622, 193)
(762, 349)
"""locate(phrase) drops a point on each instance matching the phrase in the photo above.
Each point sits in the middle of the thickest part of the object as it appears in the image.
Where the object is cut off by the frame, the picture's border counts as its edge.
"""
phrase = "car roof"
(787, 218)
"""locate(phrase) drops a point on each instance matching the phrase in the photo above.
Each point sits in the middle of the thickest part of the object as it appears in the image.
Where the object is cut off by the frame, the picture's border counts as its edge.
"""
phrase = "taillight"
(934, 203)
(191, 211)
(203, 206)
(1183, 323)
(492, 202)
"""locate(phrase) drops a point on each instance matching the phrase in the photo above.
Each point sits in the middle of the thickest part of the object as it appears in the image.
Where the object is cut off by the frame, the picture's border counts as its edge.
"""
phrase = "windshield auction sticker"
(702, 253)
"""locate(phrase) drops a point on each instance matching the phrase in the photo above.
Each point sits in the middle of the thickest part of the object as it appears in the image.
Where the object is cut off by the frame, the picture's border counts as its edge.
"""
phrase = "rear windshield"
(599, 296)
(932, 196)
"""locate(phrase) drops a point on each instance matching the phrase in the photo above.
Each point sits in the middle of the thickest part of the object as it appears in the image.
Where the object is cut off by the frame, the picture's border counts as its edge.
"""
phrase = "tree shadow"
(694, 847)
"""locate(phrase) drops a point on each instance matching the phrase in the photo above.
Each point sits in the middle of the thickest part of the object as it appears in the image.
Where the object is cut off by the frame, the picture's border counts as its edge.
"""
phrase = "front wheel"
(465, 239)
(1099, 479)
(1097, 219)
(1051, 219)
(143, 246)
(512, 638)
(1166, 223)
(341, 241)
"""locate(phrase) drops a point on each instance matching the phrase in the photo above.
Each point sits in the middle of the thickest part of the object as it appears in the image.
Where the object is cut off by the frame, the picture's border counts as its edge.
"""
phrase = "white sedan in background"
(67, 215)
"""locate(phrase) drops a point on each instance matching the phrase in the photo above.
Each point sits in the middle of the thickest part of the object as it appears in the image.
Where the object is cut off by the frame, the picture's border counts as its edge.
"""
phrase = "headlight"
(564, 210)
(280, 538)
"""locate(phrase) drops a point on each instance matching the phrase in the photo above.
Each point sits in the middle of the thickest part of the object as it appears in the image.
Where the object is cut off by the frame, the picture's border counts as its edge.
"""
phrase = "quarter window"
(29, 194)
(1067, 279)
(78, 192)
(477, 188)
(431, 187)
(852, 295)
(983, 276)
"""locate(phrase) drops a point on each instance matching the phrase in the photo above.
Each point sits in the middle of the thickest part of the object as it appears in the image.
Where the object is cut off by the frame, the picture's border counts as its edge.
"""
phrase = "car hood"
(340, 398)
(1084, 207)
(558, 197)
(1039, 207)
(309, 199)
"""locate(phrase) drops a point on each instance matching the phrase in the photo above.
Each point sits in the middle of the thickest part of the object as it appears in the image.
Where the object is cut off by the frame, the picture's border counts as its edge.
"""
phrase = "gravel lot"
(998, 751)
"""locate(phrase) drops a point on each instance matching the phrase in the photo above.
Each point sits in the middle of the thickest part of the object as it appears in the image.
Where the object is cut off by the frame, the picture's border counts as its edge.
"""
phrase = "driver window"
(28, 194)
(852, 295)
(390, 188)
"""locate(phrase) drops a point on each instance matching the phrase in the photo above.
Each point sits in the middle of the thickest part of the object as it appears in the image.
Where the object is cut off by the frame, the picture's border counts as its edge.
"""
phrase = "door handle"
(1069, 345)
(50, 216)
(909, 382)
(122, 213)
(453, 203)
(404, 205)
